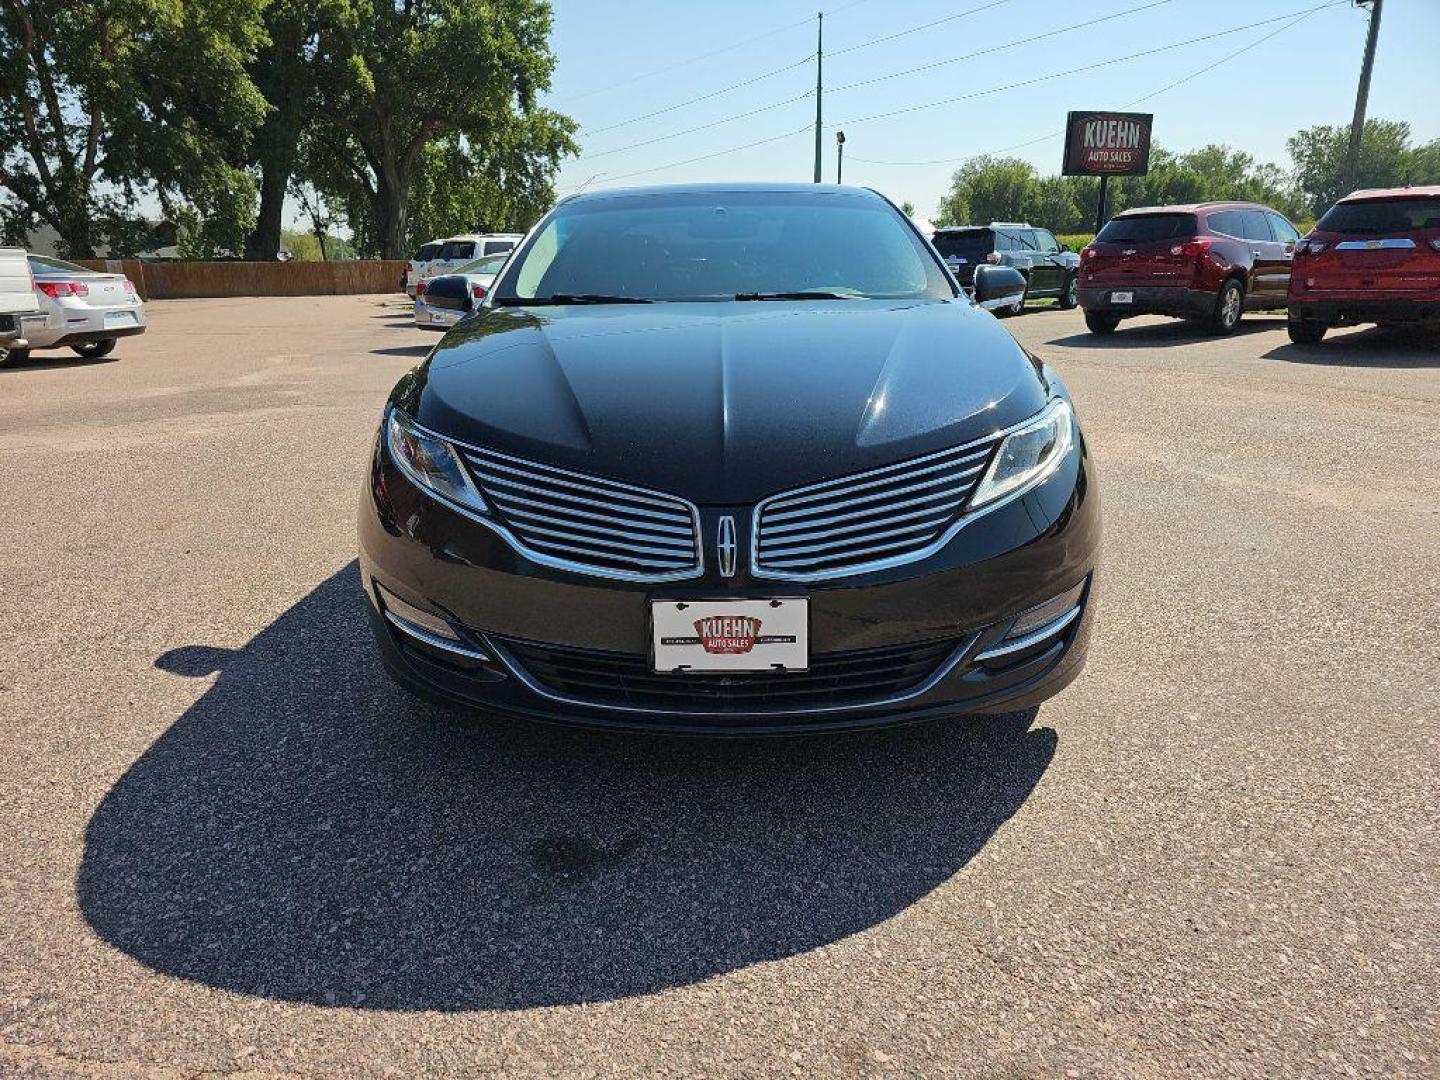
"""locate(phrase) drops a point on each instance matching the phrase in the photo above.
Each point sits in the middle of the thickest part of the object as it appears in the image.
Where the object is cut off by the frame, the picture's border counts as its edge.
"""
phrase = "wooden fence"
(179, 280)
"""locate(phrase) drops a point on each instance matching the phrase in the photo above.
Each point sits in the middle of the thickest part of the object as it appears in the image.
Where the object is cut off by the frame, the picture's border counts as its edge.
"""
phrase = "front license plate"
(730, 635)
(119, 318)
(1122, 298)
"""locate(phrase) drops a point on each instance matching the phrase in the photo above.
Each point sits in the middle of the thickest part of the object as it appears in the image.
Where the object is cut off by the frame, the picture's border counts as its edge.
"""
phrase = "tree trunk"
(264, 242)
(392, 216)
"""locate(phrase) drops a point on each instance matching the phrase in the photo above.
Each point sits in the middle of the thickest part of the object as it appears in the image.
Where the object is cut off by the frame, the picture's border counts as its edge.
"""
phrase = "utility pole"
(1362, 96)
(819, 85)
(839, 156)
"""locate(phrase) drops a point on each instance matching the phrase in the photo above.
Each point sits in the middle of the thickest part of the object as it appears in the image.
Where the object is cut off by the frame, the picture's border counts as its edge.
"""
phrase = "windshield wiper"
(569, 298)
(803, 294)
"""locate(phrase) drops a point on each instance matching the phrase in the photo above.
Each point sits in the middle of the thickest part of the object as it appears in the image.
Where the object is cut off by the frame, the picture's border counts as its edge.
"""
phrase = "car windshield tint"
(48, 264)
(490, 264)
(426, 253)
(695, 245)
(1144, 228)
(1382, 216)
(967, 245)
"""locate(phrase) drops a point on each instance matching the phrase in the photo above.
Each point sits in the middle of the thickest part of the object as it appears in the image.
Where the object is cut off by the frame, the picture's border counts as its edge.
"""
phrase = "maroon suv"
(1373, 258)
(1208, 261)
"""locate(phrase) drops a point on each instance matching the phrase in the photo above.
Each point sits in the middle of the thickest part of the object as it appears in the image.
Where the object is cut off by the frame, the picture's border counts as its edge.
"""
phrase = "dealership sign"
(1107, 144)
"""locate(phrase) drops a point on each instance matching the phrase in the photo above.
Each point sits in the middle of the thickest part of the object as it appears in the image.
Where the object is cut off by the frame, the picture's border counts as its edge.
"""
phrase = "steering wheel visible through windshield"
(723, 245)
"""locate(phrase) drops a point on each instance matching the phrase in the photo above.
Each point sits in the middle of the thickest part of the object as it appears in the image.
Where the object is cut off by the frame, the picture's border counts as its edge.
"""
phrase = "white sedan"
(84, 310)
(443, 301)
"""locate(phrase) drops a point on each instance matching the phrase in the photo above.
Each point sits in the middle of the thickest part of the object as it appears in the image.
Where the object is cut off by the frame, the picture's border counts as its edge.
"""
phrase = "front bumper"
(1347, 310)
(1174, 300)
(564, 647)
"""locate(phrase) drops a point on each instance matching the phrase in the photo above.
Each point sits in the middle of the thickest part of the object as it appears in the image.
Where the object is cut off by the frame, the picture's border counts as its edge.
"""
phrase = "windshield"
(977, 243)
(1146, 227)
(490, 264)
(695, 245)
(1382, 216)
(48, 264)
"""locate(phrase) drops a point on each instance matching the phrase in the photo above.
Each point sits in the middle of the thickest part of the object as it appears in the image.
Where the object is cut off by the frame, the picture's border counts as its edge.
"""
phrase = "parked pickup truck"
(17, 299)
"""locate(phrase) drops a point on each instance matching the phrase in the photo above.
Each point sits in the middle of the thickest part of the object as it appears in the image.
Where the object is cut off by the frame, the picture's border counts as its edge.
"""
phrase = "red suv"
(1373, 258)
(1207, 261)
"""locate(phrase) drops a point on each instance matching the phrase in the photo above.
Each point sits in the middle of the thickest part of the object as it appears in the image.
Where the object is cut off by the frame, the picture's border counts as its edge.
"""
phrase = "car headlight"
(430, 461)
(1028, 454)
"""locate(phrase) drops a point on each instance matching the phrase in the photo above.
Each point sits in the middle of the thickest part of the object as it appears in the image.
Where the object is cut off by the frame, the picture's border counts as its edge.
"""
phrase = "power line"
(1084, 67)
(690, 61)
(696, 100)
(863, 82)
(1128, 105)
(1001, 48)
(916, 29)
(699, 127)
(707, 157)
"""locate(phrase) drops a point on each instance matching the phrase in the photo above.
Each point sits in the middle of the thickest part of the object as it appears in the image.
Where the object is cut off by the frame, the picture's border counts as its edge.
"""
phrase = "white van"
(456, 251)
(17, 300)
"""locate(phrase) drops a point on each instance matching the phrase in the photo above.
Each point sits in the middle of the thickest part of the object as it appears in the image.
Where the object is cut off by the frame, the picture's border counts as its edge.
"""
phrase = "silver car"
(443, 301)
(84, 310)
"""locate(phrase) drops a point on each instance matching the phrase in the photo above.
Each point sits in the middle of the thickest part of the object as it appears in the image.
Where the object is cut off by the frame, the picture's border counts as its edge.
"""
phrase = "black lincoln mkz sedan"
(730, 459)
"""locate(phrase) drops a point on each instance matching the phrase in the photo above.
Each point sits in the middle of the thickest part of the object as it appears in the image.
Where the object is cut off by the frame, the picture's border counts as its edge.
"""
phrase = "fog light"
(1032, 619)
(424, 626)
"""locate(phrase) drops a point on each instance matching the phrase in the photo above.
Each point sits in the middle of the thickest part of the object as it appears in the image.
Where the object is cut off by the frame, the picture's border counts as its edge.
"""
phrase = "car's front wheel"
(1229, 306)
(1100, 323)
(1070, 295)
(13, 357)
(1306, 331)
(93, 350)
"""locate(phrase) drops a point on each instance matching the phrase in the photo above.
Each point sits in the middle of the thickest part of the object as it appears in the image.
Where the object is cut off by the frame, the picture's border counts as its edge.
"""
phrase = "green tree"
(101, 100)
(987, 189)
(1386, 160)
(284, 73)
(395, 76)
(502, 187)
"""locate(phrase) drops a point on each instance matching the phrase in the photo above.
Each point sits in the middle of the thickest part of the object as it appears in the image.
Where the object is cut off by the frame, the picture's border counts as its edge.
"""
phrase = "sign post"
(1107, 144)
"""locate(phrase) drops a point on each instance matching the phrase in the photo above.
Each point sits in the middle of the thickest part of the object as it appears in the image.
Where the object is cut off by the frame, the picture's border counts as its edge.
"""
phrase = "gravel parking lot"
(230, 846)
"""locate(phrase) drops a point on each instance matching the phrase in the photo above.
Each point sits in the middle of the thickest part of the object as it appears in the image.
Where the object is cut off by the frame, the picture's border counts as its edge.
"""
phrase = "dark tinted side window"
(1225, 221)
(1255, 226)
(1143, 228)
(1283, 230)
(971, 244)
(427, 252)
(1382, 216)
(494, 247)
(1003, 242)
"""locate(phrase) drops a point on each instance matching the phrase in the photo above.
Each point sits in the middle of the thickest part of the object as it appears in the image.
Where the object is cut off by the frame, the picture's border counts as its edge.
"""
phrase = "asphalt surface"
(229, 846)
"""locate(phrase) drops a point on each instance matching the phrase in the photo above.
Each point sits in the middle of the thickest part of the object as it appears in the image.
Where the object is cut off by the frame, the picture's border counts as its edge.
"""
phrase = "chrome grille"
(580, 522)
(865, 520)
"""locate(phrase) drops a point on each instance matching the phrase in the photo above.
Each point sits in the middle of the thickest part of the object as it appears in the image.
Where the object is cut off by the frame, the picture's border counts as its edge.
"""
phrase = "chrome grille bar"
(868, 520)
(589, 524)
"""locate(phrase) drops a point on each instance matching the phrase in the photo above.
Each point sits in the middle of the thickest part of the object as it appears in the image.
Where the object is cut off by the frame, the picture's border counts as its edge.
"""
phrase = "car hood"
(724, 403)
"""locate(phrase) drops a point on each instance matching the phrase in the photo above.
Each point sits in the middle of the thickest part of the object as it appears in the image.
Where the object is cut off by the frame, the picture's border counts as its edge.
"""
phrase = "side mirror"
(998, 286)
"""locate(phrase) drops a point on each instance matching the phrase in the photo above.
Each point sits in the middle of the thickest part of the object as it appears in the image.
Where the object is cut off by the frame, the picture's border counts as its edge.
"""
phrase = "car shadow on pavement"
(1376, 347)
(306, 832)
(51, 363)
(404, 350)
(1170, 332)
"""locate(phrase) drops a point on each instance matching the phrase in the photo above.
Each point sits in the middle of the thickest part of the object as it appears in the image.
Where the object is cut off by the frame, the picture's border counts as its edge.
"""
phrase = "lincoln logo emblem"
(725, 546)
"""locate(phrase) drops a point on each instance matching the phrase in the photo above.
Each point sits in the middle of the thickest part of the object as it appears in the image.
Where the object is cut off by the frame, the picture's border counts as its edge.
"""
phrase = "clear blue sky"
(1306, 74)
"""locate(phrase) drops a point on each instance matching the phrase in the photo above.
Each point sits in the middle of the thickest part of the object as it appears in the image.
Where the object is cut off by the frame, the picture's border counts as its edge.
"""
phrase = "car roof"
(1429, 191)
(724, 188)
(1191, 208)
